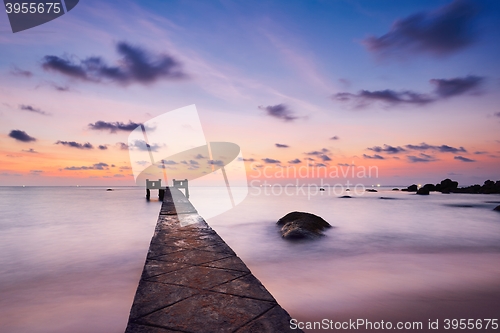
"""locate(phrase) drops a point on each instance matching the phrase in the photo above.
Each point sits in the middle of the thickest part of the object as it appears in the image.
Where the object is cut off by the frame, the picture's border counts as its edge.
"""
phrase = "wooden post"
(148, 194)
(161, 194)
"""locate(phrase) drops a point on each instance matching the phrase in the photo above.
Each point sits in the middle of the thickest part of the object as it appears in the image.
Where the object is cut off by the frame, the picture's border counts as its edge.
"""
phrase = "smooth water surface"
(70, 258)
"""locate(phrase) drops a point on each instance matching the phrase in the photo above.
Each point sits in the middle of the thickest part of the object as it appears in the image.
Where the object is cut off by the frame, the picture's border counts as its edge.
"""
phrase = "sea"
(71, 257)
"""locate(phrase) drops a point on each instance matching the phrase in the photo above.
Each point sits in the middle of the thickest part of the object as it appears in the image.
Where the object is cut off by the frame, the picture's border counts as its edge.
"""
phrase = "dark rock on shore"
(300, 225)
(429, 187)
(411, 188)
(395, 189)
(423, 191)
(447, 186)
(497, 208)
(371, 190)
(489, 187)
(345, 197)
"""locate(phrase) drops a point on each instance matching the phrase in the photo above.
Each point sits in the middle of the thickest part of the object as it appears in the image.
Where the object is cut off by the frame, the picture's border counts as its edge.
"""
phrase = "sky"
(410, 88)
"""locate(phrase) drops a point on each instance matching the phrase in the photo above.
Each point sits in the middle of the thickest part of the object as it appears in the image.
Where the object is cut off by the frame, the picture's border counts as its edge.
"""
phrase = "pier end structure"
(154, 185)
(182, 183)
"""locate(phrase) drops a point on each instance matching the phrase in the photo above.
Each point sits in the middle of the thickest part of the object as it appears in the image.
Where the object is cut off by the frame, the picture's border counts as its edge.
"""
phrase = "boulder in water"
(497, 208)
(412, 188)
(300, 225)
(423, 191)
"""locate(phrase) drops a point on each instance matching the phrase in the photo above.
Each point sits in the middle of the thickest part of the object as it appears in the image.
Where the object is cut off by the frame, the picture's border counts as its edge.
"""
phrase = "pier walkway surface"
(193, 282)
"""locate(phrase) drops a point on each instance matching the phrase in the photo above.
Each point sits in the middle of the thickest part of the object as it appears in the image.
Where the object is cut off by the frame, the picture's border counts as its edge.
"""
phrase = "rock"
(489, 187)
(345, 197)
(430, 187)
(321, 189)
(109, 189)
(423, 191)
(497, 208)
(447, 186)
(371, 190)
(300, 225)
(395, 189)
(412, 188)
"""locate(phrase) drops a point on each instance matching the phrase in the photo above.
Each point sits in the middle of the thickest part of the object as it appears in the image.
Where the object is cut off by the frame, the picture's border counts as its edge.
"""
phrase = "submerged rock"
(345, 197)
(300, 225)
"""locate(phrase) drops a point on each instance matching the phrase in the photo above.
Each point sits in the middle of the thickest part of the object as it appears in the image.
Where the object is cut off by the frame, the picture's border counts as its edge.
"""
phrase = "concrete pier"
(193, 281)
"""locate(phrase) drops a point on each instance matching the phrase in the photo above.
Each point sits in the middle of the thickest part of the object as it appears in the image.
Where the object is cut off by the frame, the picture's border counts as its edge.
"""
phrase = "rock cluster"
(450, 186)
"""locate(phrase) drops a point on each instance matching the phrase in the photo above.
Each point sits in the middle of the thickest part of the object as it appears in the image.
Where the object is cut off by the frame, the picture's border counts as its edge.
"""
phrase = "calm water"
(70, 258)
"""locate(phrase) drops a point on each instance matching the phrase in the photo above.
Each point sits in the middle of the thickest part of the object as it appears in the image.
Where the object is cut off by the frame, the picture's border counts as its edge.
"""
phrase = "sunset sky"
(411, 87)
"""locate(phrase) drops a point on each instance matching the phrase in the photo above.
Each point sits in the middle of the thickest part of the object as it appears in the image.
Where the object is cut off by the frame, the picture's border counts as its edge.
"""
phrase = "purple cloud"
(456, 86)
(442, 149)
(280, 111)
(374, 157)
(21, 136)
(216, 162)
(318, 152)
(463, 159)
(136, 66)
(422, 158)
(74, 144)
(440, 32)
(270, 161)
(387, 149)
(113, 127)
(97, 166)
